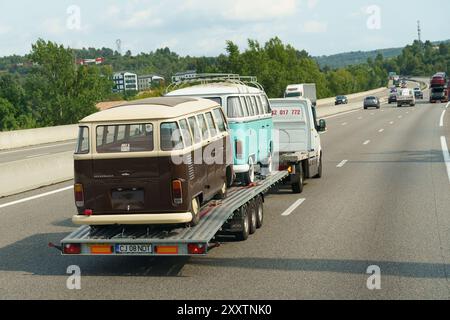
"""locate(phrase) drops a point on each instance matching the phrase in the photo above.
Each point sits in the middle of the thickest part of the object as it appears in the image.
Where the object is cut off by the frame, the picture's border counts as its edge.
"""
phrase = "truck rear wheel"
(297, 187)
(244, 222)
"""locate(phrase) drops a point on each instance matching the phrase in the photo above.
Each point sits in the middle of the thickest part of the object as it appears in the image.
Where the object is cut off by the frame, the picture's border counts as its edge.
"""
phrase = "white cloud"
(54, 26)
(313, 26)
(4, 29)
(312, 3)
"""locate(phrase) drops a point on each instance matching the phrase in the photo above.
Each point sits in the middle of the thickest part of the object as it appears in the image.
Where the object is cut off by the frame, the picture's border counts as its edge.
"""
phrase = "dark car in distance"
(392, 97)
(371, 102)
(418, 93)
(341, 100)
(438, 95)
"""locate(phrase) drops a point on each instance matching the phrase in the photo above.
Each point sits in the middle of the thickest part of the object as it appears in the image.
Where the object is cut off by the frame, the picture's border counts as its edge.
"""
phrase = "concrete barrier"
(31, 137)
(24, 175)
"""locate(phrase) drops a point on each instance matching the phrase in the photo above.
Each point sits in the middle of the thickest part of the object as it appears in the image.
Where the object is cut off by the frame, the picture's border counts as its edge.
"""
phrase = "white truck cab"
(297, 131)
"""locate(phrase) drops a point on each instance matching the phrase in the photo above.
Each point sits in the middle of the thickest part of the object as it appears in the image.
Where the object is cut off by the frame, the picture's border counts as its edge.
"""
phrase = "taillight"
(194, 248)
(177, 192)
(72, 249)
(239, 149)
(79, 195)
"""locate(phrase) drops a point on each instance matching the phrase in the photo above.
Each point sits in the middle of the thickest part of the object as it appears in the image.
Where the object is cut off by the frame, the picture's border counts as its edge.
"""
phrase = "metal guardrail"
(205, 78)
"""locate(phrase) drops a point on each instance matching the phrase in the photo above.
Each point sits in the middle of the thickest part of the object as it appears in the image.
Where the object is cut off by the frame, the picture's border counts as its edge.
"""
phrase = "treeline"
(47, 88)
(54, 92)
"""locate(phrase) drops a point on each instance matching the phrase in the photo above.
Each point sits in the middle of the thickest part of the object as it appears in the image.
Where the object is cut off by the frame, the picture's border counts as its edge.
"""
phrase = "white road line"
(345, 123)
(360, 118)
(446, 107)
(392, 122)
(37, 148)
(366, 142)
(340, 165)
(340, 114)
(446, 155)
(34, 197)
(38, 155)
(441, 122)
(293, 207)
(400, 117)
(372, 114)
(381, 130)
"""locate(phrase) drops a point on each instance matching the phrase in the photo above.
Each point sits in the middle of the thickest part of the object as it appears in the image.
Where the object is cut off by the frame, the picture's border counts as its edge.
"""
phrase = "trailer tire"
(249, 177)
(252, 216)
(245, 224)
(297, 187)
(259, 212)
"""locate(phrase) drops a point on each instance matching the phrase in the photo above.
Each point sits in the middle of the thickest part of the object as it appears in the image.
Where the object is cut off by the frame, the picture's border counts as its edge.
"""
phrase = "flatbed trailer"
(239, 215)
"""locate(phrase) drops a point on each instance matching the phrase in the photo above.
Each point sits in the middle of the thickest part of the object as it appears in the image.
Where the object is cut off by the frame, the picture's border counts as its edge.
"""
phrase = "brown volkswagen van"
(152, 161)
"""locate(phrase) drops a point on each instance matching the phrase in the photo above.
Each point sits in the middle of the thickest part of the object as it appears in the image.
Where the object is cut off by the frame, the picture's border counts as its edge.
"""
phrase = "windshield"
(293, 94)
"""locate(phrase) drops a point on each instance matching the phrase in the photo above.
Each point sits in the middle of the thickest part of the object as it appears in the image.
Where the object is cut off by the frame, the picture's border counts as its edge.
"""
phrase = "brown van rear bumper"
(133, 219)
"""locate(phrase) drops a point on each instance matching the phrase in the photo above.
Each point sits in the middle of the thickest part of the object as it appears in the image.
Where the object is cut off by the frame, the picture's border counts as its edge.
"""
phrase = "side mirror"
(322, 125)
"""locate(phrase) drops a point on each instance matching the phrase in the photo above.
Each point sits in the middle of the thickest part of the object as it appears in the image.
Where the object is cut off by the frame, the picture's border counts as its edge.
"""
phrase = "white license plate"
(133, 249)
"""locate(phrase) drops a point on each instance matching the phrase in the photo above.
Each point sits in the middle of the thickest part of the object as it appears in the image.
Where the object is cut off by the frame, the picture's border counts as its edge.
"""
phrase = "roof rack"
(205, 78)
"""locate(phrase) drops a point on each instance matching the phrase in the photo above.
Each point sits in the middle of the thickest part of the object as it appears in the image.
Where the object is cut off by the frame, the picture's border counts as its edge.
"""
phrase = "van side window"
(195, 130)
(255, 106)
(171, 137)
(244, 106)
(251, 111)
(266, 105)
(260, 105)
(211, 125)
(220, 120)
(83, 141)
(203, 126)
(234, 108)
(218, 100)
(186, 133)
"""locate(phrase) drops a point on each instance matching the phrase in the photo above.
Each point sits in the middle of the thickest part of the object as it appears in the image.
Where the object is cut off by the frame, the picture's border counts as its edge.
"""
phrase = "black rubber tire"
(260, 212)
(245, 224)
(297, 187)
(319, 174)
(252, 216)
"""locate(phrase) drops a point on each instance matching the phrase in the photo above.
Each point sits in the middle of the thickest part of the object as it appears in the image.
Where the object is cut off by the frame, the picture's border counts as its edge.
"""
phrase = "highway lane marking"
(340, 114)
(366, 142)
(37, 155)
(400, 117)
(340, 165)
(360, 118)
(345, 123)
(9, 204)
(446, 155)
(441, 121)
(392, 122)
(381, 130)
(38, 148)
(291, 209)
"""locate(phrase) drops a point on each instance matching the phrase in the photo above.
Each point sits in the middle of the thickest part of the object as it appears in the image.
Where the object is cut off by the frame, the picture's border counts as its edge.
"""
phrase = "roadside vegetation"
(47, 88)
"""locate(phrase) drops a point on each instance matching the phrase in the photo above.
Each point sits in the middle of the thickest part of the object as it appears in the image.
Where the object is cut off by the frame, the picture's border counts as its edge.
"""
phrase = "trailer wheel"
(259, 212)
(195, 211)
(245, 224)
(253, 216)
(297, 187)
(249, 177)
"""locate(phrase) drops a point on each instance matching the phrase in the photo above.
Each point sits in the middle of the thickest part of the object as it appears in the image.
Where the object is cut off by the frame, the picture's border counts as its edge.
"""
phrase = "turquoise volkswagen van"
(249, 115)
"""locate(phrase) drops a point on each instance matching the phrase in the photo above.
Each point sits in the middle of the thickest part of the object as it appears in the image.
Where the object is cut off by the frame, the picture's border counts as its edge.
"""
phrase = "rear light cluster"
(72, 249)
(194, 248)
(177, 192)
(79, 195)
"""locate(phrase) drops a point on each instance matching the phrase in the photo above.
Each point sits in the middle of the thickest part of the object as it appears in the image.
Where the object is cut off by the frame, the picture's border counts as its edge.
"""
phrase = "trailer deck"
(167, 240)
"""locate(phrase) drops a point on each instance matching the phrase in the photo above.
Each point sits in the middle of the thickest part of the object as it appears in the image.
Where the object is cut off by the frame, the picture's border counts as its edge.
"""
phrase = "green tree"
(7, 116)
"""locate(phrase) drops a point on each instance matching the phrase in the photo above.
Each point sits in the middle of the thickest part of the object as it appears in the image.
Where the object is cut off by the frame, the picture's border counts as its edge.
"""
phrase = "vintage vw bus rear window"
(125, 138)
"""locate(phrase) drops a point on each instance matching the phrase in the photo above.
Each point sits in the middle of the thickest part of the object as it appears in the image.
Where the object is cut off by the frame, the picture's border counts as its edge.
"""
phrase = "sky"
(201, 27)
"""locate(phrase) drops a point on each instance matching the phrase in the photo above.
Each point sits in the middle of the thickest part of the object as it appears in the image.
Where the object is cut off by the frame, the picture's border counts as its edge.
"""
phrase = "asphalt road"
(383, 201)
